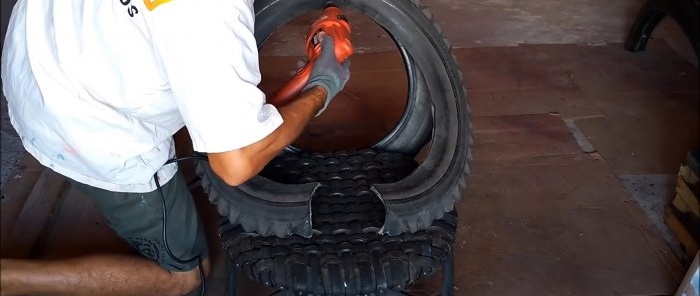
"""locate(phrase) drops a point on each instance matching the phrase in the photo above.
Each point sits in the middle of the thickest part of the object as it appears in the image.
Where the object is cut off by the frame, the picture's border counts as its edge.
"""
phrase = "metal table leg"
(448, 275)
(232, 284)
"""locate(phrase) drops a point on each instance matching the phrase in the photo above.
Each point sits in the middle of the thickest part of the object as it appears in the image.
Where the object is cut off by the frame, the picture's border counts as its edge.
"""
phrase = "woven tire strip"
(345, 256)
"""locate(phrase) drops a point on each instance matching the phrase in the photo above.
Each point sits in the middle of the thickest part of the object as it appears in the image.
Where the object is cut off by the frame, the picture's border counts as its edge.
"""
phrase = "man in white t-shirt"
(97, 88)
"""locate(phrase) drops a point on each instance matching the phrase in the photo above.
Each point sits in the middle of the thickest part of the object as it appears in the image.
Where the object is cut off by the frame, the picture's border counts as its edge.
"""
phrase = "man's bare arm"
(327, 79)
(237, 166)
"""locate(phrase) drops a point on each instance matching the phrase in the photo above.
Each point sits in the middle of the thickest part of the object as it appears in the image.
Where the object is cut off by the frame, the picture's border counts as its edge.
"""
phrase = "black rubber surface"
(343, 201)
(345, 256)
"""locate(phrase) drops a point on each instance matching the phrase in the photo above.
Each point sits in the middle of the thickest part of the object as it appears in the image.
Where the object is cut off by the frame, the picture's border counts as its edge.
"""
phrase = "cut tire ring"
(270, 208)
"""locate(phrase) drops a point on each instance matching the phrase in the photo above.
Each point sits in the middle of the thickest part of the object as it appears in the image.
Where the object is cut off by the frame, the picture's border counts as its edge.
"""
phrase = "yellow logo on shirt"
(152, 4)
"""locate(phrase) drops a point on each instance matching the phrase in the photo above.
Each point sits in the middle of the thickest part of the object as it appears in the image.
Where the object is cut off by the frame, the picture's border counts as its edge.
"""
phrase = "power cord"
(165, 222)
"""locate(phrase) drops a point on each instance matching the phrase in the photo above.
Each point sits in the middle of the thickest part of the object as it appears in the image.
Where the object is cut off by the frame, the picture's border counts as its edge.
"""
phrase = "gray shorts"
(138, 218)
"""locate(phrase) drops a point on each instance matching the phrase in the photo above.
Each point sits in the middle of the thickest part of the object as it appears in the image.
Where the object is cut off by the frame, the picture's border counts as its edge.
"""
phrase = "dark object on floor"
(346, 255)
(685, 12)
(683, 214)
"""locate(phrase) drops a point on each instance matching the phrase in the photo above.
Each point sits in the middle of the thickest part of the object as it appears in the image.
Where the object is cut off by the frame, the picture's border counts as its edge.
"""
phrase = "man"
(97, 88)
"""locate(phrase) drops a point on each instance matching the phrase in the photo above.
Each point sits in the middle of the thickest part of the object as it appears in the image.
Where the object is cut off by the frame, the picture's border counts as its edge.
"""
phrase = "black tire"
(341, 264)
(412, 203)
(346, 255)
(685, 12)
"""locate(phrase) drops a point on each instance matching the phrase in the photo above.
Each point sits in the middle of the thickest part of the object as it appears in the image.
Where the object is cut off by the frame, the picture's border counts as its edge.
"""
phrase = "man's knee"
(185, 282)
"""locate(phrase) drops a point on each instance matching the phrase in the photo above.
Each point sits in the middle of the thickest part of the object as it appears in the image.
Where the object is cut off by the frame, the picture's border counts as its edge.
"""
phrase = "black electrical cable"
(195, 157)
(165, 224)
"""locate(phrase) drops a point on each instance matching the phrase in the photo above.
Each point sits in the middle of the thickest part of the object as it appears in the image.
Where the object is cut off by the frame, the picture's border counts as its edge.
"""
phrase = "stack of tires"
(358, 222)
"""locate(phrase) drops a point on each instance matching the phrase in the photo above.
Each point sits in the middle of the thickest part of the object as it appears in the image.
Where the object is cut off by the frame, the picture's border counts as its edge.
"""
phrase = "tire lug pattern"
(346, 255)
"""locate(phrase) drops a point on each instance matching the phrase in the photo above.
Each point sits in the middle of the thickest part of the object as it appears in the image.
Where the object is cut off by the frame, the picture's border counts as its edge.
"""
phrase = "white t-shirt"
(97, 88)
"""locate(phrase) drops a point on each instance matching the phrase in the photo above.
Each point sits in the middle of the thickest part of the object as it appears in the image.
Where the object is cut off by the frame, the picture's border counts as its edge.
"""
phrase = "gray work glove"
(328, 73)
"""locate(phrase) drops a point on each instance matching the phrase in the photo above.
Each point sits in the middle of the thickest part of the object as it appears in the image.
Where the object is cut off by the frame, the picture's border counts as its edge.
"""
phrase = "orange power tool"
(334, 23)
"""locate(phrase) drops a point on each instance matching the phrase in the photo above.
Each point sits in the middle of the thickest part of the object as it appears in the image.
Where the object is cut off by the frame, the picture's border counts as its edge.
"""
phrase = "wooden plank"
(691, 180)
(658, 70)
(654, 239)
(562, 225)
(644, 133)
(692, 159)
(686, 217)
(685, 238)
(14, 195)
(37, 210)
(80, 228)
(680, 205)
(515, 136)
(664, 253)
(684, 194)
(687, 174)
(570, 102)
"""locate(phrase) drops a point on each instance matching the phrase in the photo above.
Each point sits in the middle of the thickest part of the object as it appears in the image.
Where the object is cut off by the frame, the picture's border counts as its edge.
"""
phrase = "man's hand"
(327, 72)
(327, 79)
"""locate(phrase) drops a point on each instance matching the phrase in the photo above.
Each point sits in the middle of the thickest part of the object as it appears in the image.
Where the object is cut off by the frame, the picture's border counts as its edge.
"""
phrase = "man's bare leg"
(95, 275)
